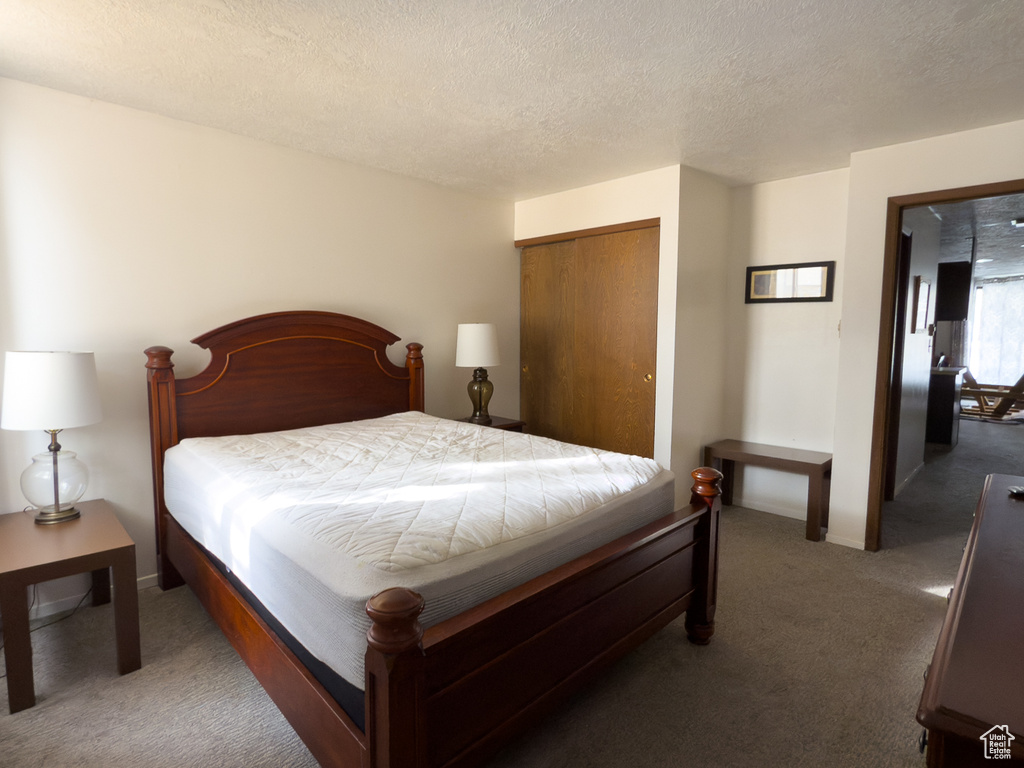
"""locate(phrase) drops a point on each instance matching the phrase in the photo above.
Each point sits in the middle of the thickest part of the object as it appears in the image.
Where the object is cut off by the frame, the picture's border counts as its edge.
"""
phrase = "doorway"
(886, 405)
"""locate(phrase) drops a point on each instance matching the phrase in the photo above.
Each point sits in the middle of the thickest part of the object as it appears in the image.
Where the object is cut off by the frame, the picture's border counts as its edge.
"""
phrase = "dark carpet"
(817, 660)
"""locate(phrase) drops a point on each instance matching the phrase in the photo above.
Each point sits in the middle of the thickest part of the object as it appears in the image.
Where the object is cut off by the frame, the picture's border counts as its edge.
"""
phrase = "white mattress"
(315, 521)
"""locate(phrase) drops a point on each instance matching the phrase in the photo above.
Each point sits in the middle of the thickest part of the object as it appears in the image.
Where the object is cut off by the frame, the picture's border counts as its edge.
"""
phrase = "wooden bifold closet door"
(588, 336)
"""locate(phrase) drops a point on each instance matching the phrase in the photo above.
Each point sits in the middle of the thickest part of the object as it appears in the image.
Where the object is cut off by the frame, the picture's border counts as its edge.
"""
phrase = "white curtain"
(997, 332)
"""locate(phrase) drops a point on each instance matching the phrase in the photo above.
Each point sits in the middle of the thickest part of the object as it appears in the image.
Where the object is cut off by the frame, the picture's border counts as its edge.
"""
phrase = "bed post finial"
(395, 614)
(414, 364)
(159, 357)
(707, 484)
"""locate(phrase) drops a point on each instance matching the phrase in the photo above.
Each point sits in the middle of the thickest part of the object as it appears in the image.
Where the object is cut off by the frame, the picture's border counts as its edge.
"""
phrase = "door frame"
(608, 229)
(896, 372)
(883, 405)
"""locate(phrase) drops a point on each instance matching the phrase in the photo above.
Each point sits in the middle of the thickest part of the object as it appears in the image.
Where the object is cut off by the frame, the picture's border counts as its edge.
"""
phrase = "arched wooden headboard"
(282, 370)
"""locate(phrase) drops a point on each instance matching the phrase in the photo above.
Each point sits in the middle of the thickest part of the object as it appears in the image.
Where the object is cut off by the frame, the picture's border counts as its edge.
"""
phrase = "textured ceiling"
(984, 227)
(515, 99)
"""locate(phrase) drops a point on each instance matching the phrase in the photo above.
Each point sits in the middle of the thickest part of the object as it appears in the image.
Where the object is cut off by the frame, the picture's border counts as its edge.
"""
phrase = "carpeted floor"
(818, 660)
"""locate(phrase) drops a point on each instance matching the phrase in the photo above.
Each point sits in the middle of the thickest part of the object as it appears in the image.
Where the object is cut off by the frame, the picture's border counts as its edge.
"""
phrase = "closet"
(588, 336)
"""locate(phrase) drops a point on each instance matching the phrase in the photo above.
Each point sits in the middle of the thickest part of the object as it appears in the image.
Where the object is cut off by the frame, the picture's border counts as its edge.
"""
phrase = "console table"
(974, 690)
(724, 454)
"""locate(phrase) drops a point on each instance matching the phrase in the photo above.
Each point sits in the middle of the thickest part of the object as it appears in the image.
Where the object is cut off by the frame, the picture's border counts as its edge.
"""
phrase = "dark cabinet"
(943, 420)
(953, 290)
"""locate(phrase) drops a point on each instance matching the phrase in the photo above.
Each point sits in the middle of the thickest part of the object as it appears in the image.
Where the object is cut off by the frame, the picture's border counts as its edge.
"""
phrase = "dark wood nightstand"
(30, 553)
(500, 422)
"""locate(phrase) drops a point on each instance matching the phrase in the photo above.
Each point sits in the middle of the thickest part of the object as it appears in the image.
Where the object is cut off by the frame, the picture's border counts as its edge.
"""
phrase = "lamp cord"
(35, 596)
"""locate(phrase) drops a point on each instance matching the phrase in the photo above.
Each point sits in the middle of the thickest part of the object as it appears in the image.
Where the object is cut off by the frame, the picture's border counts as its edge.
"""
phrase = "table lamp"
(51, 391)
(477, 347)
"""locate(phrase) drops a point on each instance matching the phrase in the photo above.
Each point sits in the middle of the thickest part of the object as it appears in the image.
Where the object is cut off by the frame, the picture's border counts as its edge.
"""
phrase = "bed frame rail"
(305, 703)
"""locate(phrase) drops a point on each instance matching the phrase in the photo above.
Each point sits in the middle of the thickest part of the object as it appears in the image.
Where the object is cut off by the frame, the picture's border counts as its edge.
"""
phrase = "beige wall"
(781, 380)
(121, 229)
(775, 352)
(700, 315)
(982, 156)
(772, 352)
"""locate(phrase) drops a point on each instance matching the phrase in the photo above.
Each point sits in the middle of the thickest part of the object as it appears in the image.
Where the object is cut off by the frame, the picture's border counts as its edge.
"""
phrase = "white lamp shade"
(476, 346)
(50, 390)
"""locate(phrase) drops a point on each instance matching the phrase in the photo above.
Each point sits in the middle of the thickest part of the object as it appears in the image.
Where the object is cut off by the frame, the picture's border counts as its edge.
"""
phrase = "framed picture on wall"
(922, 295)
(809, 281)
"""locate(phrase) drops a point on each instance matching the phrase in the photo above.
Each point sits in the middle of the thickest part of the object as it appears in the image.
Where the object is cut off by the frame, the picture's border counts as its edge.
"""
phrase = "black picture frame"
(779, 283)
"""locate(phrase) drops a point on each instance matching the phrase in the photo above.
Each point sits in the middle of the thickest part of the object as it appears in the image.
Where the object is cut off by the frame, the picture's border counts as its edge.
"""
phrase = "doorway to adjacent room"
(972, 205)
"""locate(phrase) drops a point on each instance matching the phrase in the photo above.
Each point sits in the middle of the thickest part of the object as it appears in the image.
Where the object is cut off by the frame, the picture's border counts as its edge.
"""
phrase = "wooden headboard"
(283, 370)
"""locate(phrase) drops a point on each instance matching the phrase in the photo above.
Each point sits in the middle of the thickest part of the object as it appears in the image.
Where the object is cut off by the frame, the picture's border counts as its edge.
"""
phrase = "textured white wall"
(982, 156)
(782, 358)
(700, 313)
(120, 229)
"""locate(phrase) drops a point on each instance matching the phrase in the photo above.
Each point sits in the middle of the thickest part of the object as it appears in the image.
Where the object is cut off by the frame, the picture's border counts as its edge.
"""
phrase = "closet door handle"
(649, 378)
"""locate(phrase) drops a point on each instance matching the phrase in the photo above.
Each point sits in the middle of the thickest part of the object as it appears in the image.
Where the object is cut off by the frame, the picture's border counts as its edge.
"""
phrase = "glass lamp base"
(480, 391)
(37, 485)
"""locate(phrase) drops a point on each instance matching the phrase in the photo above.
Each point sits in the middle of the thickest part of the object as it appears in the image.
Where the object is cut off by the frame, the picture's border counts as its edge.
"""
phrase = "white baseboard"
(145, 582)
(53, 607)
(842, 540)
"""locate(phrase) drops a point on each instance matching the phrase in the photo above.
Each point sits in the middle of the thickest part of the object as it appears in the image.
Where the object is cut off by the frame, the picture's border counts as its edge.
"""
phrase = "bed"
(451, 690)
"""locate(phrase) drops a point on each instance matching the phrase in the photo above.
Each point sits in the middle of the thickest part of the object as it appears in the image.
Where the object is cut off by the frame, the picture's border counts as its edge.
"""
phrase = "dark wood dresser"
(943, 419)
(973, 695)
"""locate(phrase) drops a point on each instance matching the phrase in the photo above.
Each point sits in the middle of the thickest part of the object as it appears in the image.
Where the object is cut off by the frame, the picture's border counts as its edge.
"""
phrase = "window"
(997, 331)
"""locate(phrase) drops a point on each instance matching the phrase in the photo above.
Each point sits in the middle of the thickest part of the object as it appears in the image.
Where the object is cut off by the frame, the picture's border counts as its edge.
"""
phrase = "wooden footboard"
(453, 694)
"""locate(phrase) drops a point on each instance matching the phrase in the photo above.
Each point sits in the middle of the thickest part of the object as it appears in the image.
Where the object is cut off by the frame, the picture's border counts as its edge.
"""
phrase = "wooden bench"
(724, 454)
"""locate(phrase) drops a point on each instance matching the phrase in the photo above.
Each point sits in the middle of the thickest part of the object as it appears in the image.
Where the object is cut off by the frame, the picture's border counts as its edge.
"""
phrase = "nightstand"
(500, 422)
(30, 553)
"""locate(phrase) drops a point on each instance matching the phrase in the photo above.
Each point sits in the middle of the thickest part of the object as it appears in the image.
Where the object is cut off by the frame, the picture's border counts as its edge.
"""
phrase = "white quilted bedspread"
(410, 489)
(315, 521)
